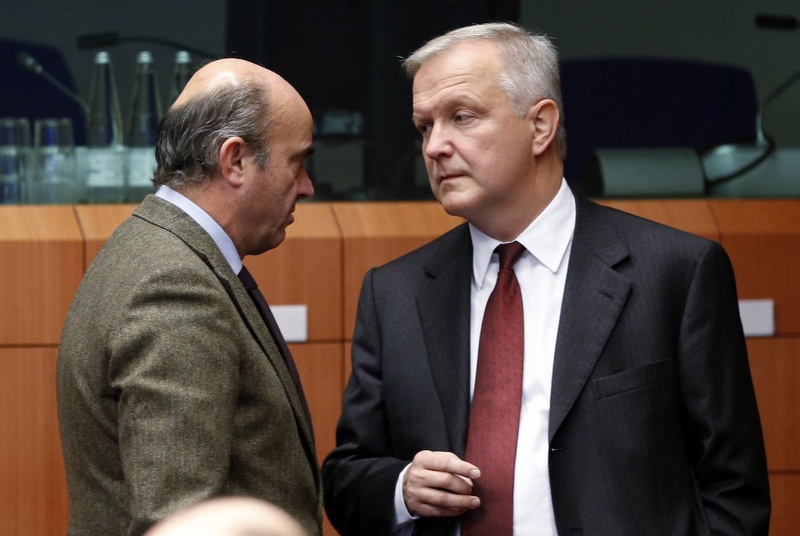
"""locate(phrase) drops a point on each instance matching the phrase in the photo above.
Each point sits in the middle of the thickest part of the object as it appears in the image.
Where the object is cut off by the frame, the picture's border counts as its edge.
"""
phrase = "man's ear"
(544, 119)
(231, 160)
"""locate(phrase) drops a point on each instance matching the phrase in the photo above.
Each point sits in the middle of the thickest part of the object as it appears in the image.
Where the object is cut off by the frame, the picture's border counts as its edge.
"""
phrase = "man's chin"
(455, 203)
(274, 240)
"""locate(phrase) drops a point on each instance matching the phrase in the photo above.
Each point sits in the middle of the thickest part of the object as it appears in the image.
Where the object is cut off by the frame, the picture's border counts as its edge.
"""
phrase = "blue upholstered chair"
(23, 93)
(652, 103)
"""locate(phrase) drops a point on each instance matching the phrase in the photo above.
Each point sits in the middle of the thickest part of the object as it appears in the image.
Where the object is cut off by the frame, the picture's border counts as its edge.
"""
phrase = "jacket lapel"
(443, 303)
(269, 346)
(171, 218)
(593, 299)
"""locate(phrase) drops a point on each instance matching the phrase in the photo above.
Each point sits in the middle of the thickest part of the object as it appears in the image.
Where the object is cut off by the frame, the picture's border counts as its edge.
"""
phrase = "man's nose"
(305, 187)
(439, 142)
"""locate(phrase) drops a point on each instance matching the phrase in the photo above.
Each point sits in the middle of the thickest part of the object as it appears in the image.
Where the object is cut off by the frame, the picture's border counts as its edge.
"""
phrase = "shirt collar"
(217, 233)
(546, 238)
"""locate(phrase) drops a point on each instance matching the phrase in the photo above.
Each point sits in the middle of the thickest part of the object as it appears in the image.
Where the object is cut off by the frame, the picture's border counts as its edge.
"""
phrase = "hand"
(439, 484)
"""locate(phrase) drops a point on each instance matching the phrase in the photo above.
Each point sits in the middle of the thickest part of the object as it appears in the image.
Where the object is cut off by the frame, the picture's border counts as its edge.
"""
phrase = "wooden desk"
(376, 233)
(762, 238)
(41, 254)
(45, 250)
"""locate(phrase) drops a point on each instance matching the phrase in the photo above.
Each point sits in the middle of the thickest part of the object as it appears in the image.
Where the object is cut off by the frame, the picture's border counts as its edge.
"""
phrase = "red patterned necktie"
(494, 414)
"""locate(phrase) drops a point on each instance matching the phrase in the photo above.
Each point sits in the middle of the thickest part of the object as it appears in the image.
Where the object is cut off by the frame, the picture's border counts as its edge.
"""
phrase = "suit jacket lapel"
(168, 216)
(269, 345)
(593, 299)
(444, 309)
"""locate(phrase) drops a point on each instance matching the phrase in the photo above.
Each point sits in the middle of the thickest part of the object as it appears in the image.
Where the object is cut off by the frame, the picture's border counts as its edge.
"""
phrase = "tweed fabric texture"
(170, 387)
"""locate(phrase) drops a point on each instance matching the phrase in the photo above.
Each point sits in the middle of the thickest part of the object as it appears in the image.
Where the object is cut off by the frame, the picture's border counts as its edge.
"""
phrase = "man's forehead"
(453, 90)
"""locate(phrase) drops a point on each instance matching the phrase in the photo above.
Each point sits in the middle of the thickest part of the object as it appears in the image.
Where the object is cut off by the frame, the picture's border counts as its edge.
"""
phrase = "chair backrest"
(24, 93)
(652, 102)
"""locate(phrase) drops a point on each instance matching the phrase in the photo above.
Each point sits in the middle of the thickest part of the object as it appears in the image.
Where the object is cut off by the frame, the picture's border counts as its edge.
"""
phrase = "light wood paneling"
(320, 369)
(348, 363)
(376, 233)
(33, 489)
(98, 222)
(306, 269)
(321, 264)
(690, 215)
(775, 366)
(762, 238)
(785, 490)
(41, 262)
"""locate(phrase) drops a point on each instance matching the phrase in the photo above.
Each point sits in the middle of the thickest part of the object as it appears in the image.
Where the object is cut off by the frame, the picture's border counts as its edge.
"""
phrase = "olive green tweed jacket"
(171, 388)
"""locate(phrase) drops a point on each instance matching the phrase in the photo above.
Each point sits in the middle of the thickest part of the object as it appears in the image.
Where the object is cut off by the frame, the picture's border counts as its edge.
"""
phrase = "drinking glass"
(15, 158)
(55, 174)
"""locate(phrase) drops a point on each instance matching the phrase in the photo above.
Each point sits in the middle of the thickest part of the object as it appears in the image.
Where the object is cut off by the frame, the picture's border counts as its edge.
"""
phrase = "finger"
(430, 489)
(419, 477)
(447, 462)
(432, 502)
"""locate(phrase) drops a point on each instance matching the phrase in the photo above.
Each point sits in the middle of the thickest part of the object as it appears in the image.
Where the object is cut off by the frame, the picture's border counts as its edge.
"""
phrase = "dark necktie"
(266, 314)
(496, 401)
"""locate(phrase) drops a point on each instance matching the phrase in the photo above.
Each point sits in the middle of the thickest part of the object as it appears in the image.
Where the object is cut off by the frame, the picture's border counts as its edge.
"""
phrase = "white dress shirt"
(209, 225)
(542, 273)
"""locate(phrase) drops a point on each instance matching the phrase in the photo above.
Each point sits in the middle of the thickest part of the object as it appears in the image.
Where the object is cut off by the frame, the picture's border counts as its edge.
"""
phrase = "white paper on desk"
(293, 321)
(758, 317)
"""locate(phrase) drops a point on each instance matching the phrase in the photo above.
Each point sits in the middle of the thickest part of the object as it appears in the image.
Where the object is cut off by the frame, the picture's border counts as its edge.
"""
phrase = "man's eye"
(424, 128)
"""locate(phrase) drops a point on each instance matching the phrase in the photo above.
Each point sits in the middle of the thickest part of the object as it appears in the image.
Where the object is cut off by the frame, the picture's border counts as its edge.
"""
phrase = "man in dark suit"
(634, 411)
(174, 384)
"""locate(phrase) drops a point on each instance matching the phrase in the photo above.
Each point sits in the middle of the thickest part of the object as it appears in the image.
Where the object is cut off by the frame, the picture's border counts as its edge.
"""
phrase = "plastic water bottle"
(143, 129)
(105, 153)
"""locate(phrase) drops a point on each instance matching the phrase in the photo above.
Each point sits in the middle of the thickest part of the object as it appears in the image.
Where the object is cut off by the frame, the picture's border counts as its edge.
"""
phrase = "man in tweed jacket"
(171, 387)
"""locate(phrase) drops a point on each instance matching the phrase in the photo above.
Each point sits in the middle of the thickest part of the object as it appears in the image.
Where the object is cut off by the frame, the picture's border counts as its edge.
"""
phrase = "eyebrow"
(459, 98)
(305, 153)
(422, 115)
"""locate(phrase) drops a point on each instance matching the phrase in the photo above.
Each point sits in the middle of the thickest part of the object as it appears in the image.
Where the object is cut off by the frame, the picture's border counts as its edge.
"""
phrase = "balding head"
(230, 72)
(231, 516)
(224, 99)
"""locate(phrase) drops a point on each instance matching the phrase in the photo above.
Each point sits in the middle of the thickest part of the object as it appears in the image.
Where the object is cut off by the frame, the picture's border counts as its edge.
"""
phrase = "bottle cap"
(182, 56)
(102, 57)
(144, 57)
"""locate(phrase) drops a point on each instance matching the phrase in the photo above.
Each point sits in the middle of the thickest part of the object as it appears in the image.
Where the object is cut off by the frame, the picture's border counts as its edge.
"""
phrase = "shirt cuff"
(401, 514)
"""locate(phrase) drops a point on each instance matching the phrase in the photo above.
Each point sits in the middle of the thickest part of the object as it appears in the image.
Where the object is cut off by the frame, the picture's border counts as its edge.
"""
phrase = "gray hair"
(191, 135)
(530, 65)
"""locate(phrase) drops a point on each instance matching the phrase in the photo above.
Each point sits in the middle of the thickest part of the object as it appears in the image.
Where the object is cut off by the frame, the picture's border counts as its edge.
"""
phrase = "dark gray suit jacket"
(654, 428)
(171, 388)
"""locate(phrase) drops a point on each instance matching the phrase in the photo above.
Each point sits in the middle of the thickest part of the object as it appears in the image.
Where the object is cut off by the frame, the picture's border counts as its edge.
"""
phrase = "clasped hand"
(439, 484)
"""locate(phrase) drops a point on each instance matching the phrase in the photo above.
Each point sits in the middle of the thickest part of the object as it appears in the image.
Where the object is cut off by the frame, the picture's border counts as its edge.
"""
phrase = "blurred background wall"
(197, 23)
(719, 31)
